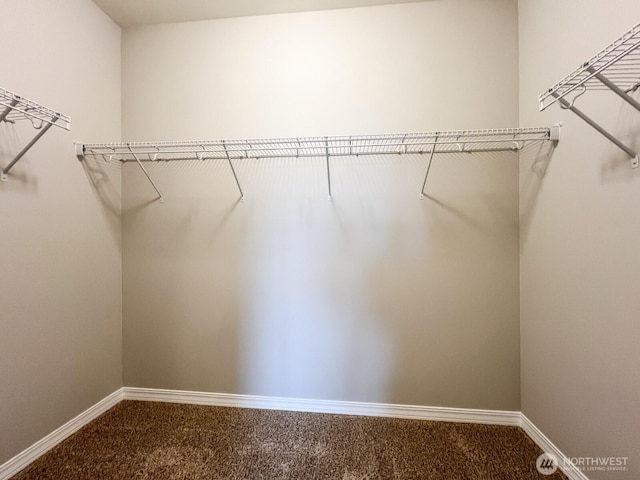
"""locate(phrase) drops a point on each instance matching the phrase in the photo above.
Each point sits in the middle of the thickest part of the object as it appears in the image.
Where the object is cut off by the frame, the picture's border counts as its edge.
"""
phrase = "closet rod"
(431, 143)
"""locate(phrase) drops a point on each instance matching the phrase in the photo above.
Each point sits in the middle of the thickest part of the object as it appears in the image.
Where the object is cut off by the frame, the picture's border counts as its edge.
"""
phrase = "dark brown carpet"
(143, 440)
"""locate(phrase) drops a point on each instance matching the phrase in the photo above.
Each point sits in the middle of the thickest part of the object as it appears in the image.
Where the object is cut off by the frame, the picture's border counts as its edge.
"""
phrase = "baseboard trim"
(24, 458)
(569, 469)
(494, 417)
(443, 414)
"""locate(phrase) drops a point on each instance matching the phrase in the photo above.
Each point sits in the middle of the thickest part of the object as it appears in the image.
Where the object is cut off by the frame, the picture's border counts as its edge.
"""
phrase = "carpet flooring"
(146, 440)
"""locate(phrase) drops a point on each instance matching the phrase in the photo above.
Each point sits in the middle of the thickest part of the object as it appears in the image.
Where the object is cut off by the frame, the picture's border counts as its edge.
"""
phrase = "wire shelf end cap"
(79, 147)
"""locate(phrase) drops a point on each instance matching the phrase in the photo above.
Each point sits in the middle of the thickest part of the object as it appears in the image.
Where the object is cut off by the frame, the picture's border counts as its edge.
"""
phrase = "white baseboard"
(465, 415)
(24, 458)
(495, 417)
(547, 446)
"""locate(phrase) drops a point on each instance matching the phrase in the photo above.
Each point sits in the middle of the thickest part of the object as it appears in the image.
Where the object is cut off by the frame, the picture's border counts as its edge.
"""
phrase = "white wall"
(376, 296)
(438, 65)
(579, 230)
(60, 260)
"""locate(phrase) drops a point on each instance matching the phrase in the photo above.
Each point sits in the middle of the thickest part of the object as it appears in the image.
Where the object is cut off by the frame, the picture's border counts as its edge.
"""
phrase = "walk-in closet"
(338, 239)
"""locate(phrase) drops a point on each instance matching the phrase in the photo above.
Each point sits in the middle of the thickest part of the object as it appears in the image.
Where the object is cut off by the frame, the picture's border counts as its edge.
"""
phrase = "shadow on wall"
(10, 146)
(360, 298)
(534, 162)
(181, 284)
(307, 326)
(617, 169)
(374, 296)
(100, 174)
(453, 309)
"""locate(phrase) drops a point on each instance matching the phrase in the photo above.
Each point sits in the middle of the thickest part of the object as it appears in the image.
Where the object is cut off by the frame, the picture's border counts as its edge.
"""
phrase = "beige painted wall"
(579, 257)
(60, 260)
(376, 296)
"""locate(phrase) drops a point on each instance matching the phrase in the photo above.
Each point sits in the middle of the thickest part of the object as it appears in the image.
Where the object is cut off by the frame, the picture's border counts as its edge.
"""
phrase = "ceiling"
(133, 13)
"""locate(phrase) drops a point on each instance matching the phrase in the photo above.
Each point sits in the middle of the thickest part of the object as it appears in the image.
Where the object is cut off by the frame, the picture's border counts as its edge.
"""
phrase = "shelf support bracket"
(144, 170)
(42, 131)
(433, 151)
(615, 89)
(565, 104)
(326, 149)
(6, 111)
(226, 152)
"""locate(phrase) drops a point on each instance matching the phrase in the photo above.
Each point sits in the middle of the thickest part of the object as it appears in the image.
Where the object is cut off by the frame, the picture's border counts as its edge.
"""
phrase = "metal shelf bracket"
(17, 108)
(615, 68)
(144, 170)
(327, 155)
(424, 183)
(233, 170)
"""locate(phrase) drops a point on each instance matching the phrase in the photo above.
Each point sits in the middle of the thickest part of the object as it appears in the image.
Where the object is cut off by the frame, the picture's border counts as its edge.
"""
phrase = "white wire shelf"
(615, 68)
(408, 143)
(619, 62)
(20, 108)
(14, 108)
(431, 143)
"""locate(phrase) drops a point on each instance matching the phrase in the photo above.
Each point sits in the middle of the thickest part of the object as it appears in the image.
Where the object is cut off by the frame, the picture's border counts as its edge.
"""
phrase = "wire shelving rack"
(14, 108)
(615, 68)
(430, 143)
